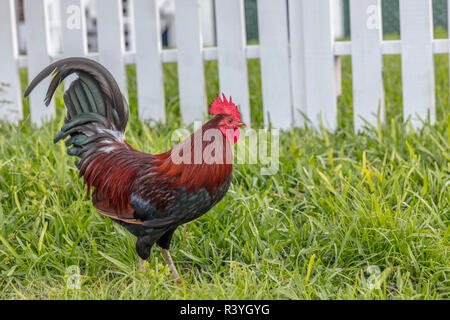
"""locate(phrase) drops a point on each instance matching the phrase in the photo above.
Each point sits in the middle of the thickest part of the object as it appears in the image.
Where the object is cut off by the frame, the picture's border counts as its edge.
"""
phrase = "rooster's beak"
(241, 125)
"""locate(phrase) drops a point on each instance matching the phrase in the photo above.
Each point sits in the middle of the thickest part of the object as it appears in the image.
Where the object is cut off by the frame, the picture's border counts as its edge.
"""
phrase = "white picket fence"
(297, 51)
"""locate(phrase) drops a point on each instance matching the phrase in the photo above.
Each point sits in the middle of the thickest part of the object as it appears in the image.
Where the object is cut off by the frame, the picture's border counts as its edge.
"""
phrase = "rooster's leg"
(141, 264)
(172, 268)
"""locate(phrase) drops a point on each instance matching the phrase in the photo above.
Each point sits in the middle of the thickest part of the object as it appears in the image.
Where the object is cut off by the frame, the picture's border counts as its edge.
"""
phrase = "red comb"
(219, 106)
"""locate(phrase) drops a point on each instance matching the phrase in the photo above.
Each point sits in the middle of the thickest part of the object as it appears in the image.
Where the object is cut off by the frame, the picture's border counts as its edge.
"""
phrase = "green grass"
(340, 203)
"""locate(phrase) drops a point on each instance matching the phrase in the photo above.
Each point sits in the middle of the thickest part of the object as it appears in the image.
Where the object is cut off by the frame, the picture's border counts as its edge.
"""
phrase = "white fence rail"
(297, 51)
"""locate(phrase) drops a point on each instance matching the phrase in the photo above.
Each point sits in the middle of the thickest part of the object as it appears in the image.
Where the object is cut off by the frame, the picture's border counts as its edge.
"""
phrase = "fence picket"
(207, 22)
(36, 41)
(149, 73)
(319, 63)
(191, 77)
(416, 29)
(73, 25)
(367, 61)
(297, 62)
(110, 39)
(337, 16)
(275, 79)
(231, 43)
(73, 31)
(10, 97)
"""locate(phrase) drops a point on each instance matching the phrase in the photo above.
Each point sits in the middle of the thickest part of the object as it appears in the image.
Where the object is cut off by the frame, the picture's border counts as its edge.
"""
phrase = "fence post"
(10, 90)
(231, 41)
(367, 61)
(275, 73)
(36, 43)
(191, 77)
(111, 40)
(416, 29)
(319, 63)
(149, 73)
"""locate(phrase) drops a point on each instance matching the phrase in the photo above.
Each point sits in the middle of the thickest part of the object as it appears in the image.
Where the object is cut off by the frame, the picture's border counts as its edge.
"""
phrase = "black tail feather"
(97, 112)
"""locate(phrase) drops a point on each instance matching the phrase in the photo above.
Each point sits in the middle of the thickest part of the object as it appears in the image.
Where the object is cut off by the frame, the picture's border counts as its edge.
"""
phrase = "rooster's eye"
(230, 121)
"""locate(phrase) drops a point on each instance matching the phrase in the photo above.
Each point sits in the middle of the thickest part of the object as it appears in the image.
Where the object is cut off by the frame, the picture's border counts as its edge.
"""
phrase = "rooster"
(149, 195)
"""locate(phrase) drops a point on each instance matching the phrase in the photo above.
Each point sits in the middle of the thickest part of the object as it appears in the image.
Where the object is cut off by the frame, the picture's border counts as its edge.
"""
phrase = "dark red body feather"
(120, 171)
